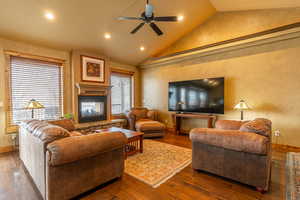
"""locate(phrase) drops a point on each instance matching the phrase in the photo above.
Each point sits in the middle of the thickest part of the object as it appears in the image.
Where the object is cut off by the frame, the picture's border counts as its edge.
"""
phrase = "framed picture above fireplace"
(92, 69)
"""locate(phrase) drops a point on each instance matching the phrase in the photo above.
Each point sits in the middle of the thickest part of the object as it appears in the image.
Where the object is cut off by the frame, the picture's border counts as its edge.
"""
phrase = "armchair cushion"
(76, 148)
(260, 126)
(231, 139)
(152, 114)
(149, 125)
(140, 113)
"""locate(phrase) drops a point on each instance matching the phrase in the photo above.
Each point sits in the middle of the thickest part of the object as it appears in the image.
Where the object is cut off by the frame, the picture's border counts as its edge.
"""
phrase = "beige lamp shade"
(242, 105)
(33, 104)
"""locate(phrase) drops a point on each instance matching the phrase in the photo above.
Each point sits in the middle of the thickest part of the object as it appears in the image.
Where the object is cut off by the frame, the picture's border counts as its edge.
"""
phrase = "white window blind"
(121, 93)
(34, 79)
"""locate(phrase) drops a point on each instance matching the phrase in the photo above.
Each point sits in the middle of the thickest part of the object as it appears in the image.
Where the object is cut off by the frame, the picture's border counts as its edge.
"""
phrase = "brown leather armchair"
(144, 120)
(234, 149)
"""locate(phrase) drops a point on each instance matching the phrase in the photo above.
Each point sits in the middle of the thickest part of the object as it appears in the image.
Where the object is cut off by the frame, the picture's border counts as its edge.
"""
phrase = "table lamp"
(33, 104)
(241, 106)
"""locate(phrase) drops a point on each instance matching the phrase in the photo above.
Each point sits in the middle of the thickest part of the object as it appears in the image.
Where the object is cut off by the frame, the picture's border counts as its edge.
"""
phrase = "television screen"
(197, 96)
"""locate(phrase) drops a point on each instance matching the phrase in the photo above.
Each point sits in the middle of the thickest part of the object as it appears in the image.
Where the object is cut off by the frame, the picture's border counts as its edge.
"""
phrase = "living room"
(141, 99)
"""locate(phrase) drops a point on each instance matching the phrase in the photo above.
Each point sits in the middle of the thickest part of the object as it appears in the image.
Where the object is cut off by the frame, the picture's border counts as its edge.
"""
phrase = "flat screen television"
(197, 96)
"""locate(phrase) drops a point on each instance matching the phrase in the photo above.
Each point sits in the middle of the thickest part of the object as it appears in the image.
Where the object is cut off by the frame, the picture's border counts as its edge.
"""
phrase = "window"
(121, 93)
(34, 79)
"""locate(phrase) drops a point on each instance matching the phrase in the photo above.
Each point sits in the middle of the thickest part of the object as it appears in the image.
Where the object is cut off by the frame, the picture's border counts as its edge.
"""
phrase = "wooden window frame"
(127, 73)
(7, 101)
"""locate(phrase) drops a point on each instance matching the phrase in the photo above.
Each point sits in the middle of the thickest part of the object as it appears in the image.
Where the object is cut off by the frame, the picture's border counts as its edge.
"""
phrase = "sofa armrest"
(76, 148)
(232, 139)
(131, 120)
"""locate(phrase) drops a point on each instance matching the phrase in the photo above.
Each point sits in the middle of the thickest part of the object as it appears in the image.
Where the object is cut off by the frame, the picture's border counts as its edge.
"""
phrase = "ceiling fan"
(148, 17)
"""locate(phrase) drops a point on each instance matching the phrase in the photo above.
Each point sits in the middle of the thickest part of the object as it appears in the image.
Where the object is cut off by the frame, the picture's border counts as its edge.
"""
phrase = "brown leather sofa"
(146, 121)
(236, 150)
(64, 163)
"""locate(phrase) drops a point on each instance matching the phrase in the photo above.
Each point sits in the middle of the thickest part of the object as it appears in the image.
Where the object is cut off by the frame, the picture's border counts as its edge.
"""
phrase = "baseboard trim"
(6, 149)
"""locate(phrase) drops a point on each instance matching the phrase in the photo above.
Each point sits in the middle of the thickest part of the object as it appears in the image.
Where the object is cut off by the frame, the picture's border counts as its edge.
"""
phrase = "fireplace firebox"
(92, 108)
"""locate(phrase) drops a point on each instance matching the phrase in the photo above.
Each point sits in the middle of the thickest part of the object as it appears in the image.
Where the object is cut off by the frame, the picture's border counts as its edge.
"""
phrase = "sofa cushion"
(44, 131)
(231, 139)
(229, 124)
(75, 133)
(64, 123)
(149, 125)
(76, 148)
(140, 113)
(260, 126)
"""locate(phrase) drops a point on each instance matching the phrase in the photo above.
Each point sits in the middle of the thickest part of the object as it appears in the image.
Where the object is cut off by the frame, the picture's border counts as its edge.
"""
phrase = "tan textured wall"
(267, 77)
(227, 25)
(5, 139)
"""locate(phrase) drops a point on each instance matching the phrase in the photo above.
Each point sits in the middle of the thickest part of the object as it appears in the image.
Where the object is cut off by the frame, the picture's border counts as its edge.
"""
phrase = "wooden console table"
(178, 116)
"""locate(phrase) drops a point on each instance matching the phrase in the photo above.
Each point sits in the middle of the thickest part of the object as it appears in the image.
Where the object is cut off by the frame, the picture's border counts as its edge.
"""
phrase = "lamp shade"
(33, 104)
(242, 105)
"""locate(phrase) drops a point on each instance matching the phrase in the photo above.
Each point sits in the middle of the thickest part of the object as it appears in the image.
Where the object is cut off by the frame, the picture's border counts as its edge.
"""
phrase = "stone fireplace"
(92, 108)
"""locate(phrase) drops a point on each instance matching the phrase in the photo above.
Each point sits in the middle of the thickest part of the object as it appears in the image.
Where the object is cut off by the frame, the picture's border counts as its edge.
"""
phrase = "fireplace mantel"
(92, 90)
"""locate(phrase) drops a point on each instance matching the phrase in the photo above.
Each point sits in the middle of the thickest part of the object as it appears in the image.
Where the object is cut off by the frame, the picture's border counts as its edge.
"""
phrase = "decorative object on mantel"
(241, 106)
(92, 69)
(33, 104)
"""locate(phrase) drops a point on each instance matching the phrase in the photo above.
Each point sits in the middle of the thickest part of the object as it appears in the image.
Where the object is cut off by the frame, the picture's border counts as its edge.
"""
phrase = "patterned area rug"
(293, 176)
(158, 162)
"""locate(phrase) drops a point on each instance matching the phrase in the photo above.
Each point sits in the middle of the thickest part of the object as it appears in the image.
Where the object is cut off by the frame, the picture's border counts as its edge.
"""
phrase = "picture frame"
(92, 69)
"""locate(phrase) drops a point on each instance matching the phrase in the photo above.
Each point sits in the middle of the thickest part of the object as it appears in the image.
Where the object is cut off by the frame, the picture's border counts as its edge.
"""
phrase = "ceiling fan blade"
(156, 29)
(137, 28)
(166, 19)
(130, 18)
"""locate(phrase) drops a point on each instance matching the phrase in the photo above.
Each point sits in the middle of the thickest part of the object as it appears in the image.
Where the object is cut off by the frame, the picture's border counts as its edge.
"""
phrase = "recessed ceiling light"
(107, 36)
(142, 48)
(49, 15)
(180, 18)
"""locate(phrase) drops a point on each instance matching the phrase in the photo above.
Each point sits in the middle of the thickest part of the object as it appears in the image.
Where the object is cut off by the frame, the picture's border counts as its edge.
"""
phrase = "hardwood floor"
(188, 184)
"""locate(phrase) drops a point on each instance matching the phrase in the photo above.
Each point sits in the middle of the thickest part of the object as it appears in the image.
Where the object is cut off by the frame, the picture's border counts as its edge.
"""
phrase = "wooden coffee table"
(135, 139)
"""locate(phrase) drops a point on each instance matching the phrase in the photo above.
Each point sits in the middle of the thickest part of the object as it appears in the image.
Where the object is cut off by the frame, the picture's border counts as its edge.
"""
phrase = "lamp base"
(242, 115)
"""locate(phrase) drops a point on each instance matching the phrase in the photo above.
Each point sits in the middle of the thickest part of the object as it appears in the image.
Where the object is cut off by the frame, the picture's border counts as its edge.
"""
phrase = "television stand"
(178, 116)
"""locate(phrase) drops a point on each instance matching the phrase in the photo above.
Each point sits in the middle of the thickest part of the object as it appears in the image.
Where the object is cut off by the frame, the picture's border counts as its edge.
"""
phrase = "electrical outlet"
(277, 133)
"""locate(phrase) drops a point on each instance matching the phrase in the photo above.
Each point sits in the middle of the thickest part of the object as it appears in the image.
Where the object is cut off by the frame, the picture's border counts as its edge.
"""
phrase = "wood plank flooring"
(186, 185)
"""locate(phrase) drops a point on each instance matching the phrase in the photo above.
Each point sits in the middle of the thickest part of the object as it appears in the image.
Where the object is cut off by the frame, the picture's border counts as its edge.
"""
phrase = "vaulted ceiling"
(234, 5)
(81, 24)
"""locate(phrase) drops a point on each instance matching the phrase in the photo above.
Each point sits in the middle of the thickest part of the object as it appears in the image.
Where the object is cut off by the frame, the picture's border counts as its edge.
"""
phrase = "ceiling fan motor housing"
(149, 10)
